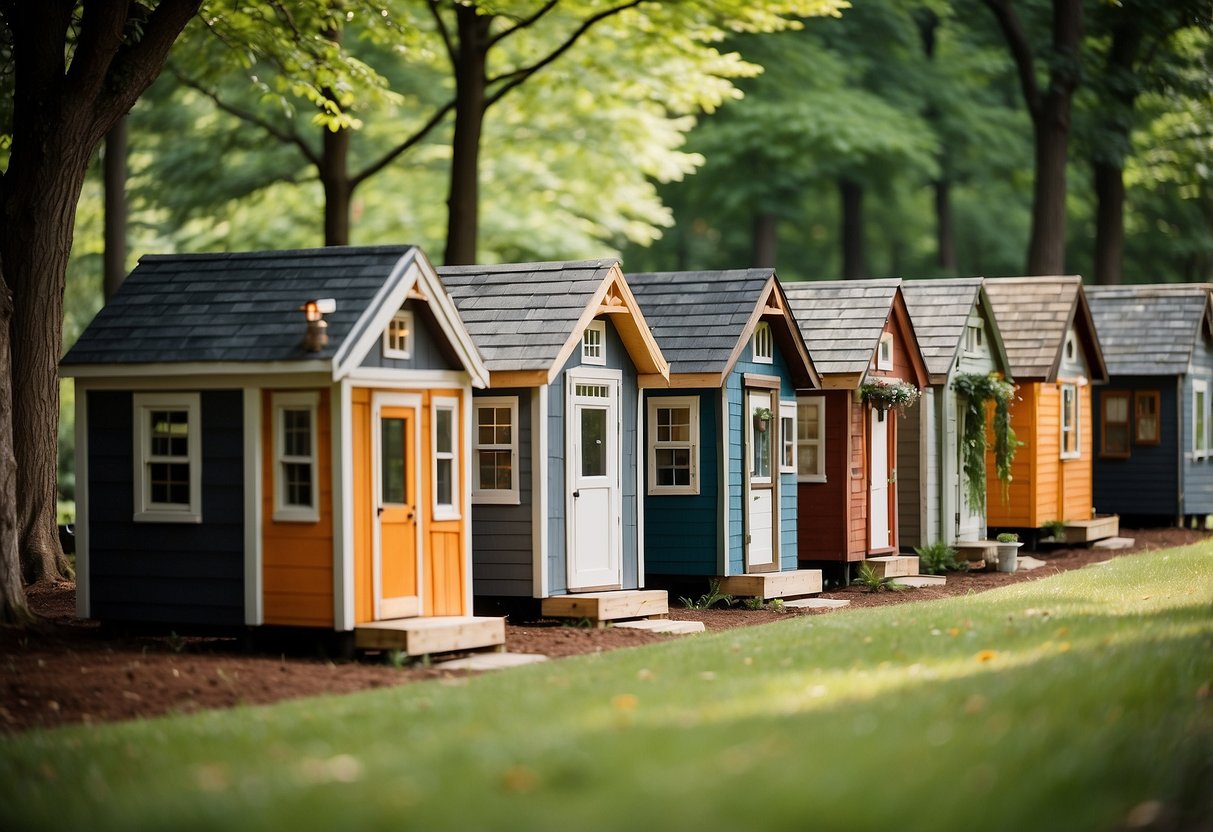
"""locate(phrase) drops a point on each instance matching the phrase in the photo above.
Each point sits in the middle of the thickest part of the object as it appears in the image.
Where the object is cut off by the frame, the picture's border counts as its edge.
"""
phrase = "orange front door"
(396, 500)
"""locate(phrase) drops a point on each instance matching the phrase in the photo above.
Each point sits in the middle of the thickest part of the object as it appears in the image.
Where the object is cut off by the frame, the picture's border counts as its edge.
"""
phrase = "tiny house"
(1055, 357)
(277, 438)
(958, 335)
(720, 494)
(857, 331)
(557, 444)
(1153, 431)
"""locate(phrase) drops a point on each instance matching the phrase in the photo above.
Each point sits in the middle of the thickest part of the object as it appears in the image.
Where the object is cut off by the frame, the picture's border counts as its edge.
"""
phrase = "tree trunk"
(945, 229)
(463, 202)
(1047, 244)
(13, 609)
(766, 227)
(853, 266)
(338, 190)
(114, 175)
(1109, 222)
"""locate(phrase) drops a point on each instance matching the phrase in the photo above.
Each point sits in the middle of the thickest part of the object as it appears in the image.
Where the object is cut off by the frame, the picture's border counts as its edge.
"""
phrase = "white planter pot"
(1008, 556)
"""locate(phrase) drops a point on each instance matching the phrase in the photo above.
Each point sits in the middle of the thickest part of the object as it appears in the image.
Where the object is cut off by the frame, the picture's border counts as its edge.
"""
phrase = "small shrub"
(1055, 529)
(1008, 537)
(868, 579)
(777, 605)
(710, 598)
(937, 558)
(753, 603)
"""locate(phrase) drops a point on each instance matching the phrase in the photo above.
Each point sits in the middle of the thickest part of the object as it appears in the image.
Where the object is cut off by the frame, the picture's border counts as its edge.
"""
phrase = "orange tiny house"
(277, 439)
(1054, 354)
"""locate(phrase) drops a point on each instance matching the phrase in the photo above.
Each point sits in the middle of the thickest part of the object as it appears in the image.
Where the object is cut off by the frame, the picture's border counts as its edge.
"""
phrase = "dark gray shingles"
(544, 301)
(234, 306)
(1148, 330)
(841, 321)
(1033, 314)
(940, 310)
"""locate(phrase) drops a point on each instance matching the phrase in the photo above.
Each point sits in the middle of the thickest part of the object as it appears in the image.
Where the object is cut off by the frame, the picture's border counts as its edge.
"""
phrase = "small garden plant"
(868, 579)
(1008, 537)
(1055, 529)
(937, 558)
(709, 599)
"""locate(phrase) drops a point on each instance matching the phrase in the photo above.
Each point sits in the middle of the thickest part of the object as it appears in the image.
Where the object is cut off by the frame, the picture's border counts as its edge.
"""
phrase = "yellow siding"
(1048, 455)
(1077, 494)
(442, 562)
(1018, 509)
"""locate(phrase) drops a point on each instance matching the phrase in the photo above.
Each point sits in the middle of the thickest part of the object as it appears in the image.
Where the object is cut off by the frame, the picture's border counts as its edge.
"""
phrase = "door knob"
(576, 494)
(379, 511)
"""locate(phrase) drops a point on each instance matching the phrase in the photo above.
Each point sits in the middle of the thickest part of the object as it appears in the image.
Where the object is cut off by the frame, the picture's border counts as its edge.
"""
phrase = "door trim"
(378, 402)
(614, 378)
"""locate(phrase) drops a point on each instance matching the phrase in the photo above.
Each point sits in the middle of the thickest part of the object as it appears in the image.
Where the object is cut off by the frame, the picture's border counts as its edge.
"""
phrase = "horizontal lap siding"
(1075, 474)
(857, 516)
(1148, 481)
(1198, 474)
(822, 508)
(502, 544)
(912, 484)
(1018, 509)
(188, 573)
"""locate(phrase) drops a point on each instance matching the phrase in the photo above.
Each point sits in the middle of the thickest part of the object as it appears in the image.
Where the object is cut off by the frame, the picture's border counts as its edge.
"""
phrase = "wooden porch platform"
(600, 607)
(975, 550)
(431, 634)
(769, 585)
(894, 566)
(1088, 531)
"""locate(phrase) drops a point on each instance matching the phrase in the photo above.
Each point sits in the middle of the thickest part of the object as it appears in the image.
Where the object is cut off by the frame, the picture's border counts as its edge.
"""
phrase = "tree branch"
(451, 52)
(98, 42)
(525, 23)
(1021, 52)
(283, 136)
(389, 157)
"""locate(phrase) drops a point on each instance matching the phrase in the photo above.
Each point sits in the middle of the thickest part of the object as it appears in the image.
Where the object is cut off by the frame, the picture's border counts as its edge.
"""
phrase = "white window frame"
(280, 404)
(655, 404)
(819, 441)
(787, 438)
(142, 406)
(594, 354)
(495, 496)
(884, 352)
(404, 316)
(1076, 427)
(445, 511)
(762, 346)
(973, 339)
(1199, 386)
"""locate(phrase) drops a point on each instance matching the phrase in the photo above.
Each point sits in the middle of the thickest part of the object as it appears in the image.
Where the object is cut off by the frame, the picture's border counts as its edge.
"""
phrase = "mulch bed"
(70, 671)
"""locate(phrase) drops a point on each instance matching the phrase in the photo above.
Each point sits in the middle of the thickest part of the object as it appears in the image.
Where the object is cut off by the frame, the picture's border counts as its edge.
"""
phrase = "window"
(495, 450)
(1069, 422)
(1200, 419)
(810, 439)
(1146, 429)
(593, 344)
(295, 486)
(446, 458)
(673, 444)
(398, 337)
(787, 437)
(884, 353)
(167, 458)
(764, 348)
(972, 338)
(1114, 437)
(1071, 349)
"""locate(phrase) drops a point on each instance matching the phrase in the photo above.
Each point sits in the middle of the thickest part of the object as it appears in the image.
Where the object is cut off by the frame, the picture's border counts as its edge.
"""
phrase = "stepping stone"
(1113, 543)
(1028, 563)
(662, 625)
(493, 661)
(817, 603)
(920, 580)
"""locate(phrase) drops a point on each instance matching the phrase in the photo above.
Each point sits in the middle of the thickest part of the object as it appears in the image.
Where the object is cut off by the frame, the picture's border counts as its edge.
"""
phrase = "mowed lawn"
(1078, 702)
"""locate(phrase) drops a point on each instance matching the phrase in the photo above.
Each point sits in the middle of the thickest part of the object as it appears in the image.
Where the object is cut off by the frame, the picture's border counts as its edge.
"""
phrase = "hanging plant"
(978, 389)
(888, 394)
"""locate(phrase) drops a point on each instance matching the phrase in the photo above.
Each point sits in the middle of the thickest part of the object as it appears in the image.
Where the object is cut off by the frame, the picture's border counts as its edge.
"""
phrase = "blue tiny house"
(1152, 425)
(556, 444)
(720, 479)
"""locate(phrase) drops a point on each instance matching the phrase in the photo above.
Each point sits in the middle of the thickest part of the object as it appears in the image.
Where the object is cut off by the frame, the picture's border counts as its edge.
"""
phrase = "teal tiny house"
(720, 443)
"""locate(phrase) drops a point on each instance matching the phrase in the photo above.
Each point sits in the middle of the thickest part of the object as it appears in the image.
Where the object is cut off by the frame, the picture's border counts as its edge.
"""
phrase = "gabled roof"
(527, 318)
(1151, 330)
(1034, 315)
(704, 320)
(225, 312)
(842, 320)
(940, 311)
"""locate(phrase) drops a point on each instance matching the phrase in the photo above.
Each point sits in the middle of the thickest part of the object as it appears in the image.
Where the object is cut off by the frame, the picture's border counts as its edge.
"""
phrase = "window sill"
(496, 498)
(296, 516)
(815, 478)
(446, 513)
(673, 491)
(167, 517)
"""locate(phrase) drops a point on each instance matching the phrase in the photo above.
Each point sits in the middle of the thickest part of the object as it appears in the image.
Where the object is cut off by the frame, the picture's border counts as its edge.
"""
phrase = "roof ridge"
(262, 254)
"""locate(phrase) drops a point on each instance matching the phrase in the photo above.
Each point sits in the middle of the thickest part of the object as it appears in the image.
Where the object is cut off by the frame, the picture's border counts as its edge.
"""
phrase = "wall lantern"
(317, 337)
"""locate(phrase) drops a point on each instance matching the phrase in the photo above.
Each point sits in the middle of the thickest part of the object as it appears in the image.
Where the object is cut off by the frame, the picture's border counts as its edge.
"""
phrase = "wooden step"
(431, 634)
(817, 603)
(918, 581)
(1087, 531)
(769, 585)
(894, 566)
(663, 625)
(608, 606)
(974, 550)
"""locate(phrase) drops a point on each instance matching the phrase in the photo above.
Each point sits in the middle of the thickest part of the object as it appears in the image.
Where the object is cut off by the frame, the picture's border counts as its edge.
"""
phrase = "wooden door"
(878, 480)
(396, 497)
(761, 474)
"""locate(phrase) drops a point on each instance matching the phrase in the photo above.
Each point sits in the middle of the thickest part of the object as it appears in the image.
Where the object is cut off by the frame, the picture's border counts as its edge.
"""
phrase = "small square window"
(973, 338)
(296, 460)
(495, 450)
(593, 344)
(810, 439)
(398, 337)
(673, 444)
(884, 352)
(1114, 412)
(1146, 430)
(764, 348)
(167, 458)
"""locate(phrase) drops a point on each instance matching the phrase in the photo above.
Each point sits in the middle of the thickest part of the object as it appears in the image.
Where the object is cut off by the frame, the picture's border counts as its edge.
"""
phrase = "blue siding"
(1148, 481)
(1197, 474)
(177, 573)
(502, 551)
(681, 535)
(430, 348)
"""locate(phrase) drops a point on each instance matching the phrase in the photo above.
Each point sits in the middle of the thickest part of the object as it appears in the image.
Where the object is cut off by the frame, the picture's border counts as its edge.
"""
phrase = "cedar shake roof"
(1150, 330)
(842, 320)
(704, 319)
(1034, 314)
(238, 307)
(940, 310)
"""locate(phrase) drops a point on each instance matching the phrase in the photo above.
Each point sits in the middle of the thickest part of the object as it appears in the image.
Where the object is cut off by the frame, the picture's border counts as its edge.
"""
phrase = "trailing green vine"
(977, 389)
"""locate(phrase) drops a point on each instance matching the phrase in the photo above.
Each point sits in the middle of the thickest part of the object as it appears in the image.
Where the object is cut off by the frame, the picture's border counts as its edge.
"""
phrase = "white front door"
(878, 479)
(970, 520)
(593, 471)
(760, 483)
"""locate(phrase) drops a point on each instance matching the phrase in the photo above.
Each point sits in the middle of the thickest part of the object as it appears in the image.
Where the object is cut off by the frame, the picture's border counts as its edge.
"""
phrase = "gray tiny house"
(1153, 424)
(720, 483)
(958, 335)
(556, 440)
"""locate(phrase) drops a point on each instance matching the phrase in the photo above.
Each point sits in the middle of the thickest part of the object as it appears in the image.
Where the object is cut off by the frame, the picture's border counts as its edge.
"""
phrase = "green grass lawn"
(1069, 703)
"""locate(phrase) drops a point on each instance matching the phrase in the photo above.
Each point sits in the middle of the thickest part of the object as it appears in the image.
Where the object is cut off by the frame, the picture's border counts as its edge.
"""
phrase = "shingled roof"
(841, 320)
(940, 310)
(704, 319)
(526, 317)
(1151, 330)
(1034, 315)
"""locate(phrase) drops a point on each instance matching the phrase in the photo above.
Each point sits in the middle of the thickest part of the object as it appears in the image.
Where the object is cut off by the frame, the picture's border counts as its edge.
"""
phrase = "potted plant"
(1008, 551)
(762, 419)
(884, 394)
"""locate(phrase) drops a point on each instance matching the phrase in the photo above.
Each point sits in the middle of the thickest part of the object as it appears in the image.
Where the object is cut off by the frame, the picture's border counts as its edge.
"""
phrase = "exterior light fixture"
(317, 337)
